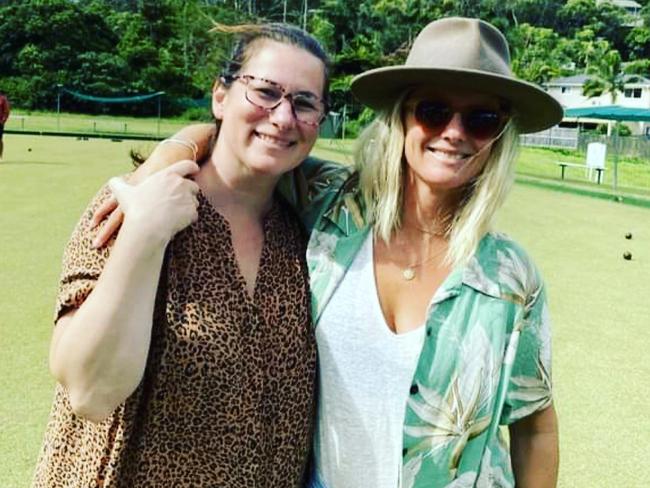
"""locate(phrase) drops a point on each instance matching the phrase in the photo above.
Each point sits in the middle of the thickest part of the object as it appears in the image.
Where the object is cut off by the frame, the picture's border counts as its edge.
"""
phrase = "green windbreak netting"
(133, 99)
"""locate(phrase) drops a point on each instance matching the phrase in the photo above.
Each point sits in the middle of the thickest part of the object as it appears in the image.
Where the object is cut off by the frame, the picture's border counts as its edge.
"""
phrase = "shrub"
(199, 114)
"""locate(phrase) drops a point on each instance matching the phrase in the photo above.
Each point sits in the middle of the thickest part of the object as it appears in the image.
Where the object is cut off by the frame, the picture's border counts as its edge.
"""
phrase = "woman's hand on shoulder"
(161, 205)
(110, 210)
(197, 136)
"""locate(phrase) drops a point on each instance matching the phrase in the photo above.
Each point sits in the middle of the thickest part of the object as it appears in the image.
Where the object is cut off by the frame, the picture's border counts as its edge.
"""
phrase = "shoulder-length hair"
(379, 160)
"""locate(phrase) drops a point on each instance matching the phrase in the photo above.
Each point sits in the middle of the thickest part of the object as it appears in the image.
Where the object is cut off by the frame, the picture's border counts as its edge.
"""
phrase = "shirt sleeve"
(529, 388)
(310, 188)
(82, 264)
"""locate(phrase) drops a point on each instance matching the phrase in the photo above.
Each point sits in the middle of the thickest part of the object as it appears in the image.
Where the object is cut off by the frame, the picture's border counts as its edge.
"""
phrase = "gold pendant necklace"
(408, 273)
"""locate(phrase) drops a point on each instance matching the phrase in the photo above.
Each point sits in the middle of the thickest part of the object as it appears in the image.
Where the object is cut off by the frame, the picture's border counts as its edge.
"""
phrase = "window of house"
(632, 93)
(565, 89)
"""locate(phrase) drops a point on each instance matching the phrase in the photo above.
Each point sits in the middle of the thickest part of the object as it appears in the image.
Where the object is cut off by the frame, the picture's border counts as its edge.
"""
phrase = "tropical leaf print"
(463, 413)
(324, 271)
(517, 276)
(534, 392)
(410, 470)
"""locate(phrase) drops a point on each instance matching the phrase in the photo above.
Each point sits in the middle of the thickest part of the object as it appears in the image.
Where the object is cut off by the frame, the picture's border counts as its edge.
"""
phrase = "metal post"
(345, 116)
(58, 107)
(616, 160)
(159, 111)
(304, 16)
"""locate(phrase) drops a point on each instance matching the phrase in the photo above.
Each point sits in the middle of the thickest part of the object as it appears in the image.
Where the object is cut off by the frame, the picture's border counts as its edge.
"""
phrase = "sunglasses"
(479, 123)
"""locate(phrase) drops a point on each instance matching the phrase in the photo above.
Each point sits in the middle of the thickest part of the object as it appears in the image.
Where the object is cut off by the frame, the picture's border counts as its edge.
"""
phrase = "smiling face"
(447, 158)
(268, 142)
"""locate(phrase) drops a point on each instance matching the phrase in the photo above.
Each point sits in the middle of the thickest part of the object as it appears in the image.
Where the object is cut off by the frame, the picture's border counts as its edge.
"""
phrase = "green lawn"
(540, 164)
(47, 121)
(535, 163)
(633, 173)
(598, 302)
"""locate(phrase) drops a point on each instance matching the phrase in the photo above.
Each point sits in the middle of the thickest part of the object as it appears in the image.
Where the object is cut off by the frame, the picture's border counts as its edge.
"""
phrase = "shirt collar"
(348, 213)
(472, 274)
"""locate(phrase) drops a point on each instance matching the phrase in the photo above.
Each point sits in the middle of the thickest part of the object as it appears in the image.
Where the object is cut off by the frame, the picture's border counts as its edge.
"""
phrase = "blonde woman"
(432, 330)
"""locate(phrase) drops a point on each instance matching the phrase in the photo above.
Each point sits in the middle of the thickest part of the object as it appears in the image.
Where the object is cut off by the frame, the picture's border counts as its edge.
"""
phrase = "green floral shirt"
(486, 356)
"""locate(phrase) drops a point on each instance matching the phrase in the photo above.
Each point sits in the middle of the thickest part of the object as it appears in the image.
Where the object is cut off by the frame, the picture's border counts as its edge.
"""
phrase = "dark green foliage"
(115, 48)
(126, 47)
(618, 128)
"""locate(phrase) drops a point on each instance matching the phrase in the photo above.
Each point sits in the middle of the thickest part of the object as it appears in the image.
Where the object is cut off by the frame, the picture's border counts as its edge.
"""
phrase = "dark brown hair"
(247, 35)
(246, 40)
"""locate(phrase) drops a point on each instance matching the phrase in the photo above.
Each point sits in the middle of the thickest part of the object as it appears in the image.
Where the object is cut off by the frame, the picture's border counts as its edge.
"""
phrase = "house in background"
(632, 8)
(568, 91)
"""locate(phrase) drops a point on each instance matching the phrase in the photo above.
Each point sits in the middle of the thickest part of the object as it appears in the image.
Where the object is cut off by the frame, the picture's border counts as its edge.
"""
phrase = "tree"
(50, 44)
(639, 42)
(606, 77)
(580, 52)
(535, 54)
(604, 19)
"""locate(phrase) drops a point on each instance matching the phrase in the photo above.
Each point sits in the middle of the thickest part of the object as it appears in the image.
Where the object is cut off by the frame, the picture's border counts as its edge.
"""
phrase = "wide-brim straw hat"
(461, 53)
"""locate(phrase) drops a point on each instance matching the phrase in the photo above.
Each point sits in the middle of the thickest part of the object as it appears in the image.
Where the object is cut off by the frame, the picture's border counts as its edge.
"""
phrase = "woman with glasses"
(432, 329)
(184, 351)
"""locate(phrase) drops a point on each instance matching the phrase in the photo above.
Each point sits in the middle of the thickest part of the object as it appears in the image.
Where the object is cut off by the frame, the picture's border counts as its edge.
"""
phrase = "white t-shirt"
(365, 373)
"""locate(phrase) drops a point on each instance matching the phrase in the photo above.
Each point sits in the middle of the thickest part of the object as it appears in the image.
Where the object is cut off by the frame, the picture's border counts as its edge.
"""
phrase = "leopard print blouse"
(227, 398)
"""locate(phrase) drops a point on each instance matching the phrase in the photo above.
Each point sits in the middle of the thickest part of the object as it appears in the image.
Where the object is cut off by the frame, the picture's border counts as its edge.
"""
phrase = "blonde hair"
(379, 160)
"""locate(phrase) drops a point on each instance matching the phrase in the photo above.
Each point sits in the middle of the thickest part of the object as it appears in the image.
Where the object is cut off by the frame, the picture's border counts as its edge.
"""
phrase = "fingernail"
(95, 244)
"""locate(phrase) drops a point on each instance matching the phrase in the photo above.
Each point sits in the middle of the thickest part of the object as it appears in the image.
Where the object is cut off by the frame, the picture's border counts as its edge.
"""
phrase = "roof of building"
(626, 3)
(622, 3)
(569, 80)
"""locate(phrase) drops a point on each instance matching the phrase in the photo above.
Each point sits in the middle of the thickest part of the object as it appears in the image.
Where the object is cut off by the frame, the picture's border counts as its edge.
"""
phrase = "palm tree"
(606, 77)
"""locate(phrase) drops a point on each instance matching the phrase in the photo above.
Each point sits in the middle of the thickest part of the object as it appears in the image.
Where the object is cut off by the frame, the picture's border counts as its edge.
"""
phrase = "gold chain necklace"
(408, 273)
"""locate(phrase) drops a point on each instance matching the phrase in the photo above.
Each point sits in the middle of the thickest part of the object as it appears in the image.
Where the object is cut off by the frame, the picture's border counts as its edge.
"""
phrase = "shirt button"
(414, 389)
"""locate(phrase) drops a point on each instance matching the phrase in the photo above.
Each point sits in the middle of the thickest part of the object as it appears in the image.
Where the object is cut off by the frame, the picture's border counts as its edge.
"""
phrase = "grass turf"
(597, 301)
(107, 124)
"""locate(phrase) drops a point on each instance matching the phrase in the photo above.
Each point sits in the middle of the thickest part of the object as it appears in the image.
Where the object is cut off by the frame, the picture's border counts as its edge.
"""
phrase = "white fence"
(553, 137)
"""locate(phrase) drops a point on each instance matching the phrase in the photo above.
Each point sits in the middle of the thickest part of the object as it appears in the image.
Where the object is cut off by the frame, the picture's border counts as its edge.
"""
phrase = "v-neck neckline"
(211, 210)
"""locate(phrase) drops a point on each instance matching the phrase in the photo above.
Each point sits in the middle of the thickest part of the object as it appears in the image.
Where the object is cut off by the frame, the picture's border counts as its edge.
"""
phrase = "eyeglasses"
(479, 123)
(266, 94)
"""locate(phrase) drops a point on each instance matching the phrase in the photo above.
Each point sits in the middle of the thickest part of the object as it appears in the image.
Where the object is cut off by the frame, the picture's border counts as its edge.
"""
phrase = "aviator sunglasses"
(479, 123)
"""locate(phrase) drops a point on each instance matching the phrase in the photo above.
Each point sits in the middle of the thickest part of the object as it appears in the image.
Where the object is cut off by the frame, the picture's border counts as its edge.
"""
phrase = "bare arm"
(165, 155)
(99, 351)
(534, 449)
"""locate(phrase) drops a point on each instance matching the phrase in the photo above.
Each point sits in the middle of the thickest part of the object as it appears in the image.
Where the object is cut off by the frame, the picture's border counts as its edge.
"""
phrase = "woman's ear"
(219, 93)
